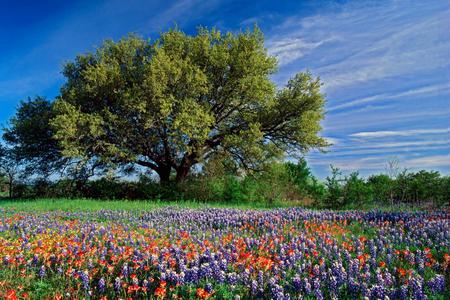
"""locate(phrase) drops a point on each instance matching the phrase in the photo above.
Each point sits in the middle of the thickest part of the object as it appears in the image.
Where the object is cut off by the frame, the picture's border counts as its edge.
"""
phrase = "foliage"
(9, 170)
(307, 184)
(382, 187)
(356, 190)
(170, 104)
(30, 137)
(289, 182)
(335, 195)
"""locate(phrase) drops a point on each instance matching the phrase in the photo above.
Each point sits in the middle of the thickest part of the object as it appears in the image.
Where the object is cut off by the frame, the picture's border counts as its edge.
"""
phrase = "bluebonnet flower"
(101, 285)
(317, 289)
(437, 284)
(84, 275)
(416, 284)
(42, 271)
(125, 270)
(232, 278)
(117, 285)
(209, 288)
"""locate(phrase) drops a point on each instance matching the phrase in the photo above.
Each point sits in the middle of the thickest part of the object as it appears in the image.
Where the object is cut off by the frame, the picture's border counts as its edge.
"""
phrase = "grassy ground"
(41, 205)
(89, 205)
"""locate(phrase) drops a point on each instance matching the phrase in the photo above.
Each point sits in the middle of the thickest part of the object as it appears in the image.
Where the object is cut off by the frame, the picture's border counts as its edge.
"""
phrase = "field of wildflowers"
(180, 253)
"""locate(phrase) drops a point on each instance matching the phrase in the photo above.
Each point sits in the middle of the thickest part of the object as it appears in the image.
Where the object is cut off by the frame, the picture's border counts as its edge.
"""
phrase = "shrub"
(356, 191)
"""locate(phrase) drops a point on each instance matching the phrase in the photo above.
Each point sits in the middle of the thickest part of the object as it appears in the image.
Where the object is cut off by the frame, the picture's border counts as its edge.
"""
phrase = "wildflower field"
(223, 253)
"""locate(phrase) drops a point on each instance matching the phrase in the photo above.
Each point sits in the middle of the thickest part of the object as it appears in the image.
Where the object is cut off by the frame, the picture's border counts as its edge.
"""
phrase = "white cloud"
(333, 141)
(425, 90)
(430, 161)
(338, 153)
(289, 49)
(381, 134)
(339, 122)
(399, 144)
(370, 41)
(417, 44)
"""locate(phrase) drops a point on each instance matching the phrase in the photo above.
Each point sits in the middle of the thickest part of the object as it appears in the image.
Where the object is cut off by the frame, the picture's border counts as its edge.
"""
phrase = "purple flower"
(209, 288)
(117, 285)
(84, 275)
(101, 285)
(437, 284)
(42, 271)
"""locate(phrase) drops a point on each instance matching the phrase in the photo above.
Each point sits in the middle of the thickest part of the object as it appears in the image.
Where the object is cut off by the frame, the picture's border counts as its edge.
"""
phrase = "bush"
(382, 187)
(356, 191)
(335, 193)
(308, 185)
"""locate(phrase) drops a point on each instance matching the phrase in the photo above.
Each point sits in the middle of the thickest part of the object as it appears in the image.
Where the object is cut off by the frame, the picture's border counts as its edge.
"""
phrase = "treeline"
(280, 182)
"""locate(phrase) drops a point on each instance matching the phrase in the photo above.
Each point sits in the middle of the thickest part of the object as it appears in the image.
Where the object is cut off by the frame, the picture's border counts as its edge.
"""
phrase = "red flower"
(202, 294)
(58, 297)
(160, 292)
(11, 295)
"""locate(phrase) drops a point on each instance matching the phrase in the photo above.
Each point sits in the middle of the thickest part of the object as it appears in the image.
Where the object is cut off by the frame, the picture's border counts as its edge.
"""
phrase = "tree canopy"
(30, 137)
(171, 103)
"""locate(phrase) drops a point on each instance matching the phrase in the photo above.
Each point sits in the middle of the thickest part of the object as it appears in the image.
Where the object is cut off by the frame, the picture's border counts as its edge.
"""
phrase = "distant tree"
(393, 170)
(424, 186)
(403, 186)
(356, 191)
(173, 103)
(393, 167)
(300, 174)
(30, 137)
(9, 168)
(382, 187)
(335, 193)
(444, 195)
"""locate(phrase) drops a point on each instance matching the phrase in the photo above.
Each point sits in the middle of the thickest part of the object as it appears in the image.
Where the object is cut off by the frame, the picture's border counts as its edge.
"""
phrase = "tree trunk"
(182, 173)
(185, 166)
(164, 174)
(11, 183)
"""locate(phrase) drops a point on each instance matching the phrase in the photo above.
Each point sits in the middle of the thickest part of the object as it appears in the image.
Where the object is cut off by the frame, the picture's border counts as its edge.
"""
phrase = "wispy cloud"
(389, 117)
(179, 12)
(376, 152)
(383, 52)
(430, 161)
(370, 41)
(425, 90)
(333, 141)
(382, 134)
(289, 49)
(379, 163)
(399, 144)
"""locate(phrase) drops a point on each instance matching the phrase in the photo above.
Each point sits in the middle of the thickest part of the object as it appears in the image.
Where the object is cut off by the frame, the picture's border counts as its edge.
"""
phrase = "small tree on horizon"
(9, 168)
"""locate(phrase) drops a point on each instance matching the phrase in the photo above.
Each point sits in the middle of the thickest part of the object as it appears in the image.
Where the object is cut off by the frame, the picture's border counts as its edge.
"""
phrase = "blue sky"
(385, 64)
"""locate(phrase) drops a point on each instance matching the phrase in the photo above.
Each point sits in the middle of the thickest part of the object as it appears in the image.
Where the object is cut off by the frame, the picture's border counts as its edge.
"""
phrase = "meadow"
(86, 249)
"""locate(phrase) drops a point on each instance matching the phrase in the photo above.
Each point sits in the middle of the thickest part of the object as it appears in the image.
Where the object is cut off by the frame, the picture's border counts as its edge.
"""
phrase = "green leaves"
(170, 103)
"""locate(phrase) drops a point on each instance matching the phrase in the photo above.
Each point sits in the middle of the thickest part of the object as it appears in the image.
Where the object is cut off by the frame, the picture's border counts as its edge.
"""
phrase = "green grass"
(93, 205)
(66, 204)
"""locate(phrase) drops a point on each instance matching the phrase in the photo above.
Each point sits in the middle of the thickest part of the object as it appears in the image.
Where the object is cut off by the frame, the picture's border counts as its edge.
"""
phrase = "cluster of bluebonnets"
(225, 254)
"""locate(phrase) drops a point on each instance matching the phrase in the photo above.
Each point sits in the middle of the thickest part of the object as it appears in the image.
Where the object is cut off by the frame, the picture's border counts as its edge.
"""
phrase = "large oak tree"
(174, 102)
